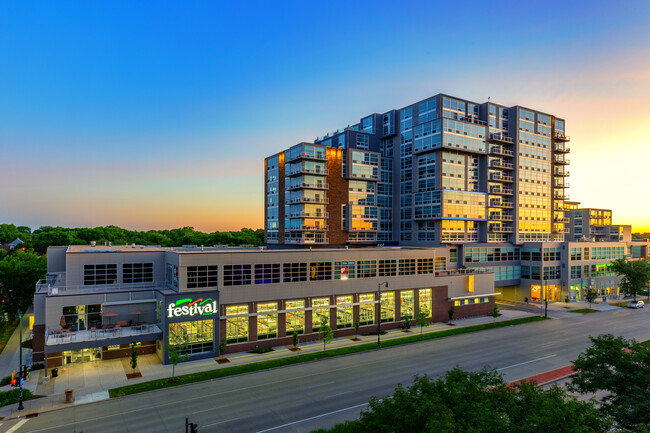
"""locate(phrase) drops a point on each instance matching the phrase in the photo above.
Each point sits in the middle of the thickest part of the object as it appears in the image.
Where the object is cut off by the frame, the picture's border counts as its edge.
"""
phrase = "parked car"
(635, 304)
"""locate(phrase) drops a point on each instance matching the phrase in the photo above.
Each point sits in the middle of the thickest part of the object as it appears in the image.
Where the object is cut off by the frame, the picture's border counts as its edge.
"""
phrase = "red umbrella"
(109, 314)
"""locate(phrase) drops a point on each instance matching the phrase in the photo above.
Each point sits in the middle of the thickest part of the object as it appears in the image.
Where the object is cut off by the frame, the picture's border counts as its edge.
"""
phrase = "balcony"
(560, 185)
(306, 241)
(559, 207)
(308, 200)
(497, 163)
(560, 160)
(498, 150)
(560, 230)
(560, 173)
(561, 137)
(500, 191)
(561, 220)
(501, 203)
(471, 119)
(499, 177)
(307, 185)
(497, 228)
(501, 217)
(312, 228)
(309, 215)
(318, 156)
(500, 138)
(559, 196)
(561, 148)
(128, 333)
(305, 170)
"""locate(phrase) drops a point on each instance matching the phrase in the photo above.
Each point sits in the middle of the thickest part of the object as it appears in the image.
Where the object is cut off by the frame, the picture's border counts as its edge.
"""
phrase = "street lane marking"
(220, 422)
(313, 417)
(17, 426)
(340, 393)
(527, 362)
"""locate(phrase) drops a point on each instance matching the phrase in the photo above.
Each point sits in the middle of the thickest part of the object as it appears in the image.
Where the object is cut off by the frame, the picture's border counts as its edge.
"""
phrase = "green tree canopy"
(19, 272)
(462, 402)
(621, 368)
(635, 273)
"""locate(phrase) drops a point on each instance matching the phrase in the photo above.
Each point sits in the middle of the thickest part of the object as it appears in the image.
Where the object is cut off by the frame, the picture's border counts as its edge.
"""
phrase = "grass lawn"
(274, 363)
(6, 332)
(584, 311)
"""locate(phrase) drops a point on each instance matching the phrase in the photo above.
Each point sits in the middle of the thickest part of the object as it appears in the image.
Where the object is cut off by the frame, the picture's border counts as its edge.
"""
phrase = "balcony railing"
(500, 203)
(560, 160)
(560, 230)
(561, 185)
(500, 191)
(499, 177)
(308, 200)
(501, 217)
(496, 228)
(300, 185)
(561, 173)
(561, 220)
(557, 196)
(496, 163)
(471, 119)
(318, 228)
(561, 137)
(561, 148)
(500, 138)
(498, 150)
(302, 170)
(309, 215)
(61, 336)
(318, 156)
(303, 241)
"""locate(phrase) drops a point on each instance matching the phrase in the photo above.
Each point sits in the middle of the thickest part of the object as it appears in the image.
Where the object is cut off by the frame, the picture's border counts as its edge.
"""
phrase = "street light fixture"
(379, 313)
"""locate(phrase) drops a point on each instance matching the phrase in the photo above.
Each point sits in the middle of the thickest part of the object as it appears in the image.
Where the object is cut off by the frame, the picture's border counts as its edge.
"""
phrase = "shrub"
(11, 397)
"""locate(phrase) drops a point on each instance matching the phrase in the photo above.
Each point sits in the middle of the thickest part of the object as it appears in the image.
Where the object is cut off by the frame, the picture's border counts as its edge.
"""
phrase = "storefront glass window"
(407, 303)
(236, 327)
(199, 336)
(320, 313)
(267, 324)
(388, 306)
(295, 317)
(344, 314)
(425, 302)
(367, 309)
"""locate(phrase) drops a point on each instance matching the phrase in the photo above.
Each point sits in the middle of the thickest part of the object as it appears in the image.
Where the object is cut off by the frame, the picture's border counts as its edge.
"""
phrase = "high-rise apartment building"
(592, 224)
(441, 171)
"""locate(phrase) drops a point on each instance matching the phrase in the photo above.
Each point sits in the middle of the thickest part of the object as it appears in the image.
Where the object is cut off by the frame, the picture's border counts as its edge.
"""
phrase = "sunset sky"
(152, 115)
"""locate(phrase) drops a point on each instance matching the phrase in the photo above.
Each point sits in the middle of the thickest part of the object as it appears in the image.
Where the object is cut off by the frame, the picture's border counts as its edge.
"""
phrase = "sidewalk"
(9, 358)
(92, 383)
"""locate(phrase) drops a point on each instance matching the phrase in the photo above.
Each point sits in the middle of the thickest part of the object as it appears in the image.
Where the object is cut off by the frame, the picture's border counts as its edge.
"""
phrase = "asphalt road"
(320, 394)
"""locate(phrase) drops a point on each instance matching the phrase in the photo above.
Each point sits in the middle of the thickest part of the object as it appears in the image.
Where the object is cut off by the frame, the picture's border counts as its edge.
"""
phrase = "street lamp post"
(379, 313)
(20, 363)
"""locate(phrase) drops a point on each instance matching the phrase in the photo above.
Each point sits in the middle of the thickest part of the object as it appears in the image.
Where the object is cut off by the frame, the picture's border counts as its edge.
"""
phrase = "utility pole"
(20, 367)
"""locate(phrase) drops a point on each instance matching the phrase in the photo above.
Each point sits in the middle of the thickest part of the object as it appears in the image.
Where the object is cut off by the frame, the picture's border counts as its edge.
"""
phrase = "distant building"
(11, 245)
(592, 224)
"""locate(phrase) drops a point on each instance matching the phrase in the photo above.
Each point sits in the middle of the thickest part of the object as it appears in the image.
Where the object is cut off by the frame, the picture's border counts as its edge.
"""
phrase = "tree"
(134, 356)
(421, 319)
(635, 273)
(621, 368)
(406, 317)
(451, 312)
(295, 339)
(480, 401)
(357, 323)
(590, 295)
(222, 346)
(175, 357)
(325, 333)
(495, 311)
(19, 272)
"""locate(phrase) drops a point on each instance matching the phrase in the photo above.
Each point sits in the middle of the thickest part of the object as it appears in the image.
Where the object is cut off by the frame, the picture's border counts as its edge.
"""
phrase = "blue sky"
(159, 114)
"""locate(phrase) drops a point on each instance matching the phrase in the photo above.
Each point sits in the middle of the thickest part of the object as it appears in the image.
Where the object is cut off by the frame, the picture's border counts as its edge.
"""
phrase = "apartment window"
(441, 263)
(367, 268)
(387, 268)
(137, 273)
(407, 267)
(426, 266)
(294, 272)
(576, 271)
(453, 255)
(267, 273)
(100, 274)
(344, 270)
(236, 275)
(202, 276)
(319, 271)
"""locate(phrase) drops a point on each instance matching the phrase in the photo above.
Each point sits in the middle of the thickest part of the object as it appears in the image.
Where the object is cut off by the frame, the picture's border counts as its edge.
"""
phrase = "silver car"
(635, 304)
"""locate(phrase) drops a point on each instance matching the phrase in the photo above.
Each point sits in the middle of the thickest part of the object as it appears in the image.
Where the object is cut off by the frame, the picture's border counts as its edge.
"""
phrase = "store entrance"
(81, 356)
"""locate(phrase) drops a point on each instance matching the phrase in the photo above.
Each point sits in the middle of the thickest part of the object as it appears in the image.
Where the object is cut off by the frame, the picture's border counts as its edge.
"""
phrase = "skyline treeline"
(46, 236)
